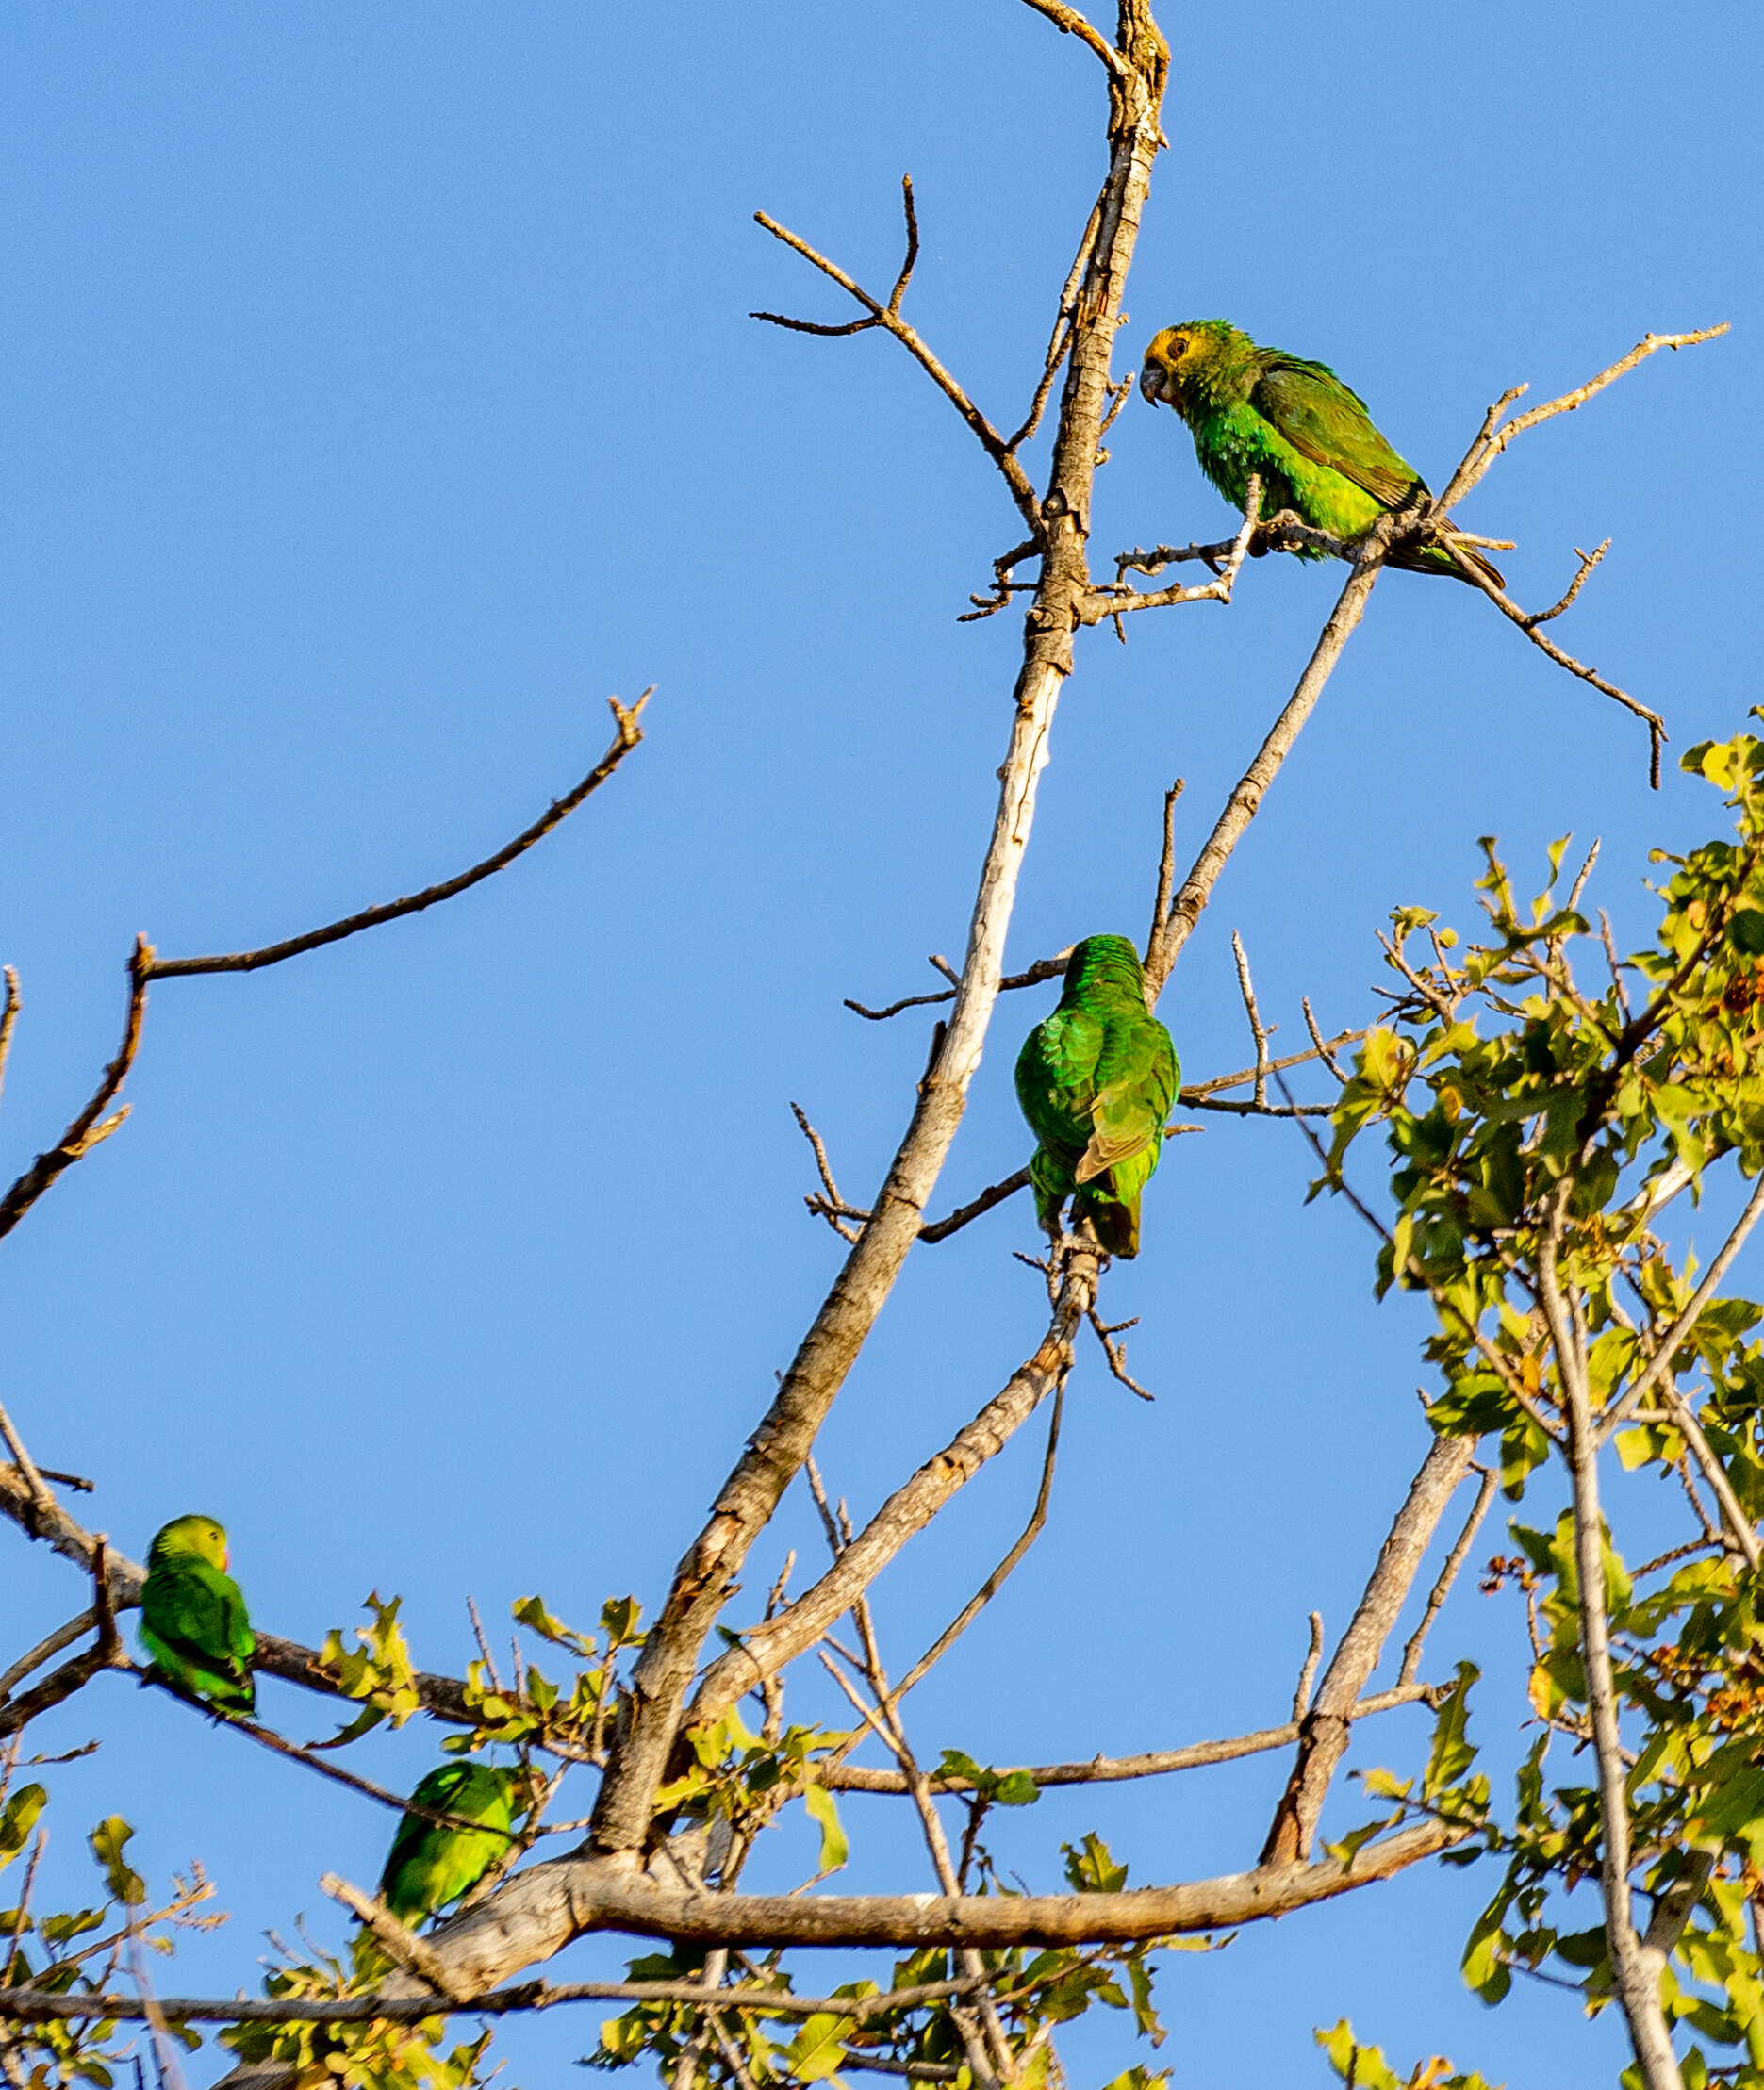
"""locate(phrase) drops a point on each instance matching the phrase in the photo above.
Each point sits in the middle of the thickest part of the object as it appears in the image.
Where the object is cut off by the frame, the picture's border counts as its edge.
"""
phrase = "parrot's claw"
(1067, 1245)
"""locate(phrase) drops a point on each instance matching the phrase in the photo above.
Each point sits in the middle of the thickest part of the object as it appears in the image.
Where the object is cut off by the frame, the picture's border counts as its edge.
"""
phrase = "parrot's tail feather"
(1435, 558)
(1114, 1222)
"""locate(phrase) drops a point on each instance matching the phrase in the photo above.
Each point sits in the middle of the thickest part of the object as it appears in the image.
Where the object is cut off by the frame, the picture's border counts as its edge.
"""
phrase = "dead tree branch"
(628, 733)
(887, 316)
(1324, 1731)
(769, 1646)
(785, 1435)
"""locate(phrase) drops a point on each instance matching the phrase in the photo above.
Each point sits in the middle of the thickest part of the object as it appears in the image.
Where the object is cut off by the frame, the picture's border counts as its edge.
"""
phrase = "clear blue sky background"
(379, 394)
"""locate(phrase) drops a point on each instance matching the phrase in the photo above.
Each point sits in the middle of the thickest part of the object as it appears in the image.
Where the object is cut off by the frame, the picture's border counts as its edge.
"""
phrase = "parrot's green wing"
(194, 1621)
(431, 1864)
(1325, 421)
(440, 1789)
(1136, 1080)
(1056, 1075)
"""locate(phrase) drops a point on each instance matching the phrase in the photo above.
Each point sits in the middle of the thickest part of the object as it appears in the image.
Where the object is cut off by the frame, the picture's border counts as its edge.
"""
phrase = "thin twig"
(64, 1636)
(1166, 865)
(40, 1493)
(888, 318)
(1071, 23)
(91, 1126)
(996, 1193)
(1115, 1352)
(1317, 1038)
(1588, 560)
(1474, 571)
(1669, 1344)
(628, 733)
(39, 2006)
(1256, 1031)
(1308, 1671)
(484, 1645)
(1044, 968)
(1447, 1575)
(402, 1946)
(10, 1007)
(1114, 599)
(1491, 439)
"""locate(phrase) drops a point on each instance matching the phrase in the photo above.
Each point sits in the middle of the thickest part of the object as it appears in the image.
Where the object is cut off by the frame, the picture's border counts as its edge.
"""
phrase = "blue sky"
(380, 395)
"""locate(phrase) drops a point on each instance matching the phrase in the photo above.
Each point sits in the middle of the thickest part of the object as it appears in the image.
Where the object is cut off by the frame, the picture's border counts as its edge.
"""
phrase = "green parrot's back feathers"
(193, 1620)
(1297, 427)
(430, 1865)
(1095, 1080)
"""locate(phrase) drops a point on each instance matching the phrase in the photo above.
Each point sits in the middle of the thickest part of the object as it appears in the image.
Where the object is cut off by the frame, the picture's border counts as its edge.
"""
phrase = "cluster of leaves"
(1447, 1787)
(739, 1780)
(568, 1718)
(82, 1951)
(1366, 2068)
(360, 2056)
(1032, 1991)
(1537, 1125)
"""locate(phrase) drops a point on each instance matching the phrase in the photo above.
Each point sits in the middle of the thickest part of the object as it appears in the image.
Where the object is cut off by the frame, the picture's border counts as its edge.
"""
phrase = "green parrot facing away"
(428, 1866)
(1296, 426)
(192, 1617)
(1095, 1080)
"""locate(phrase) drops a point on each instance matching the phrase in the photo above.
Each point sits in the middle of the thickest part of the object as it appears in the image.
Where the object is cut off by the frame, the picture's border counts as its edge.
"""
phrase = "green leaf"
(108, 1841)
(836, 1850)
(532, 1613)
(1090, 1867)
(18, 1819)
(1366, 2068)
(1452, 1753)
(818, 2048)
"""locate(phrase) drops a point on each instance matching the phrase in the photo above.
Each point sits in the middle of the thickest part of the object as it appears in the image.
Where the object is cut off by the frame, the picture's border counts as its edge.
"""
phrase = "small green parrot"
(428, 1866)
(1295, 425)
(1095, 1080)
(192, 1617)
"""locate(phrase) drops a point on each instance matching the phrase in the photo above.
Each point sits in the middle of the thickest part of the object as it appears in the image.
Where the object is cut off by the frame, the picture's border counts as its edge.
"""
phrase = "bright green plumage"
(1095, 1080)
(428, 1866)
(1296, 426)
(193, 1620)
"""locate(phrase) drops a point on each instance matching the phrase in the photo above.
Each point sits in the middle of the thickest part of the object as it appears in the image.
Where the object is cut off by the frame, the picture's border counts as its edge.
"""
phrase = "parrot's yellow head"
(1182, 360)
(186, 1538)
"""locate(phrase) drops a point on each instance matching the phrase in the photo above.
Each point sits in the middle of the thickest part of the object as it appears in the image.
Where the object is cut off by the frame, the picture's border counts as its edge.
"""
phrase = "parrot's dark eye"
(1180, 346)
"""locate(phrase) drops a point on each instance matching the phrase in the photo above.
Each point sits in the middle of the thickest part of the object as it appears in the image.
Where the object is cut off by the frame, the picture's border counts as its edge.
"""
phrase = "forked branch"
(886, 315)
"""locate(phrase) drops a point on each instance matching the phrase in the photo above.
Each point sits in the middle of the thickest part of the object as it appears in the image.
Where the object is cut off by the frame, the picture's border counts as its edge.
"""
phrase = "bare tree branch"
(1491, 439)
(628, 735)
(888, 317)
(91, 1126)
(1326, 1727)
(39, 2006)
(1071, 23)
(767, 1647)
(1528, 623)
(544, 1908)
(1447, 1575)
(1044, 968)
(1635, 1970)
(1246, 799)
(1112, 1770)
(786, 1434)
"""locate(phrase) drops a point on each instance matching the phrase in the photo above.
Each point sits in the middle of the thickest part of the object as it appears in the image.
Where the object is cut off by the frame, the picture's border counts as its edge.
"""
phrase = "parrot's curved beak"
(1151, 385)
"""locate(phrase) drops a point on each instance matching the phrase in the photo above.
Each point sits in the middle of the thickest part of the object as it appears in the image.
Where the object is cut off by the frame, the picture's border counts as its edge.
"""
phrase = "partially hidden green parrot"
(430, 1865)
(1297, 427)
(1097, 1081)
(193, 1620)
